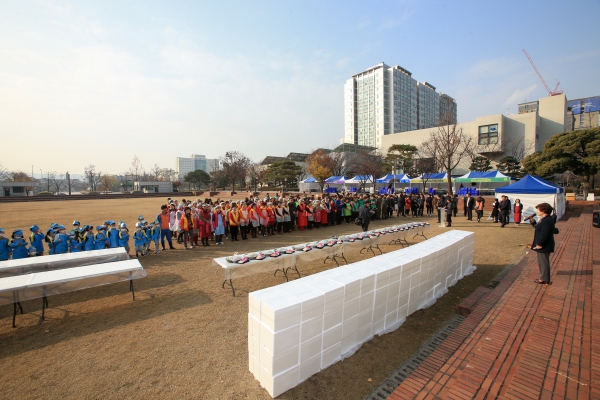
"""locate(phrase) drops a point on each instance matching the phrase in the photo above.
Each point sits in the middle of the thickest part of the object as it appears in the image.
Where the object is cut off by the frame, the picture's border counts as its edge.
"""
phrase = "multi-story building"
(185, 165)
(428, 105)
(383, 100)
(584, 113)
(447, 109)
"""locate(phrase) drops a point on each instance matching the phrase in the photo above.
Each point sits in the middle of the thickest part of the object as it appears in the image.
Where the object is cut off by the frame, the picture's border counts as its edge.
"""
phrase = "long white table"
(301, 327)
(15, 289)
(289, 262)
(61, 261)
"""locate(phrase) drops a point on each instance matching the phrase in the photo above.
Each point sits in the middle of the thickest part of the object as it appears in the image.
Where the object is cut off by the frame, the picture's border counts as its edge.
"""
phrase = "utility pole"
(68, 182)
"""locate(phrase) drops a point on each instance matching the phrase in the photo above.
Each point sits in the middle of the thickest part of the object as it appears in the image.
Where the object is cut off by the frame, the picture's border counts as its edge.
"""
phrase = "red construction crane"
(550, 92)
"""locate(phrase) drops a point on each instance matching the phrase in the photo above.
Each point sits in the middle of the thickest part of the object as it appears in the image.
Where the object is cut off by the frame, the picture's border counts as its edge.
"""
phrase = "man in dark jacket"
(543, 240)
(470, 207)
(465, 205)
(504, 209)
(364, 213)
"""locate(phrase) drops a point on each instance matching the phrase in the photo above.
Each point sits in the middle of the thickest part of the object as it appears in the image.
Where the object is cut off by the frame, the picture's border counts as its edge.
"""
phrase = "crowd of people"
(197, 223)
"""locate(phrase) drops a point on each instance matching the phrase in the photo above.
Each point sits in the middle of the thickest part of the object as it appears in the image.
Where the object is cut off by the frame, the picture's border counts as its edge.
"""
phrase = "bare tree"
(256, 173)
(235, 166)
(369, 165)
(155, 173)
(107, 182)
(519, 148)
(93, 177)
(56, 182)
(4, 173)
(136, 169)
(447, 145)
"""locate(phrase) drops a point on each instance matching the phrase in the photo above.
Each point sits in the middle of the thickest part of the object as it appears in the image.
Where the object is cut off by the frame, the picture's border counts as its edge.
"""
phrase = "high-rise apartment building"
(447, 109)
(184, 165)
(383, 100)
(428, 105)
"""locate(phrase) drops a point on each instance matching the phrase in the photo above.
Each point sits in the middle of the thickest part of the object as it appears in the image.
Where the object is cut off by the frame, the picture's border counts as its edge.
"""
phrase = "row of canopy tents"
(530, 190)
(491, 179)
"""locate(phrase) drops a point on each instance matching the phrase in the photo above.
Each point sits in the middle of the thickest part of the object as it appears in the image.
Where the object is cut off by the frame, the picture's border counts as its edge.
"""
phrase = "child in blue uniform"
(154, 236)
(75, 245)
(139, 239)
(100, 238)
(37, 239)
(61, 241)
(147, 240)
(4, 249)
(32, 251)
(87, 237)
(18, 245)
(124, 237)
(112, 235)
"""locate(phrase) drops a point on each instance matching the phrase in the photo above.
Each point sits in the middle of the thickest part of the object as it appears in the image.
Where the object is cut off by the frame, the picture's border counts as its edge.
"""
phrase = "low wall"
(301, 327)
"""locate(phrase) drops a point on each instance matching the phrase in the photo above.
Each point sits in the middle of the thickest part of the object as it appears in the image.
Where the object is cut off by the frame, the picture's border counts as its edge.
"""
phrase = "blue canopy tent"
(533, 190)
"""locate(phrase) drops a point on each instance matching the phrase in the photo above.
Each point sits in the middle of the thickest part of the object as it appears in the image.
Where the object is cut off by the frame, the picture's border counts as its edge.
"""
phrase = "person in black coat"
(465, 205)
(364, 213)
(504, 208)
(470, 205)
(543, 240)
(495, 211)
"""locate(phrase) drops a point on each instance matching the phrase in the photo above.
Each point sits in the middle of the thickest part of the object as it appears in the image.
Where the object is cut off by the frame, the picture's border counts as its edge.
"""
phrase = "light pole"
(32, 172)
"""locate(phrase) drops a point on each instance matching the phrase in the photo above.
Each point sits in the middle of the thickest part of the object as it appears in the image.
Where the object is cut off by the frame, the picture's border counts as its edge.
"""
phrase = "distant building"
(497, 135)
(153, 187)
(17, 189)
(584, 112)
(384, 100)
(184, 165)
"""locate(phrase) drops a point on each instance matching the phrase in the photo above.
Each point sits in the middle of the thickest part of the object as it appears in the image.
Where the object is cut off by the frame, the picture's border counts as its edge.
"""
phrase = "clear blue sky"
(99, 82)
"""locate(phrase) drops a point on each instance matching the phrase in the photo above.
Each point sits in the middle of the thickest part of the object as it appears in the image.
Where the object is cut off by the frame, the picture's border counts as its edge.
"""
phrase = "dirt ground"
(185, 336)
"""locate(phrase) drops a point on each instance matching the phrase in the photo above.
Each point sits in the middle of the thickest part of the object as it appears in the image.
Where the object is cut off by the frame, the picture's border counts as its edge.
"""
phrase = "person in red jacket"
(205, 230)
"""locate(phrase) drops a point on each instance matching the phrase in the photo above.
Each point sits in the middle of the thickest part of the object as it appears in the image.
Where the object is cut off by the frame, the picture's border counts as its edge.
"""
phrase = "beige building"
(500, 135)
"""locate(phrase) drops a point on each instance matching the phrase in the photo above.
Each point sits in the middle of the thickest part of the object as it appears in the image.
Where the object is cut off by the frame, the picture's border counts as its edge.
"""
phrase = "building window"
(488, 134)
(18, 189)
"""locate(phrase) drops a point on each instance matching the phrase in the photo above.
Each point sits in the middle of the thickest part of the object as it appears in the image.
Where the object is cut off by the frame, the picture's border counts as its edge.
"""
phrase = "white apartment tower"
(428, 105)
(383, 100)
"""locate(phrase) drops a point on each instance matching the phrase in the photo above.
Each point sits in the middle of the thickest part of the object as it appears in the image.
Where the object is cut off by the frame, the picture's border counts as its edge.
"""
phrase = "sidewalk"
(524, 340)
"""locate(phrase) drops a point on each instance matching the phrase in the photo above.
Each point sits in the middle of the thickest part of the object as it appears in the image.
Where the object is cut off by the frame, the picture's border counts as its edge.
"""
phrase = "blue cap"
(76, 222)
(61, 227)
(32, 249)
(1, 229)
(34, 228)
(99, 227)
(72, 232)
(138, 225)
(83, 229)
(141, 217)
(54, 225)
(123, 225)
(18, 232)
(49, 231)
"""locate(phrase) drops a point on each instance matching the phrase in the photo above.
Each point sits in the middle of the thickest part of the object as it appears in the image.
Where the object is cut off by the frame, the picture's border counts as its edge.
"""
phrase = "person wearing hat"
(100, 238)
(244, 221)
(37, 239)
(154, 235)
(139, 239)
(87, 237)
(124, 237)
(18, 245)
(61, 241)
(112, 235)
(4, 248)
(76, 226)
(75, 245)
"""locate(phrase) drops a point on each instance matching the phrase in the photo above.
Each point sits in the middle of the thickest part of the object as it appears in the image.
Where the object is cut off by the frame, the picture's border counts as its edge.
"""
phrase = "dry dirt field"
(185, 336)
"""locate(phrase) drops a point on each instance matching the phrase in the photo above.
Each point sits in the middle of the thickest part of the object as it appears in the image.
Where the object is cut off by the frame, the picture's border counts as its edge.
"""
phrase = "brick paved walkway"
(523, 340)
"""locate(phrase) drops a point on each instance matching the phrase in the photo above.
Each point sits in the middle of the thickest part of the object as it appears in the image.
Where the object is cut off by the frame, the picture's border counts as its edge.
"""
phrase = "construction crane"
(550, 92)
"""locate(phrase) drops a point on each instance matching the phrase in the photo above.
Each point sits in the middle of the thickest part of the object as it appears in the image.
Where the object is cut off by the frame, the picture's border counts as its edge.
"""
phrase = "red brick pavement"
(524, 340)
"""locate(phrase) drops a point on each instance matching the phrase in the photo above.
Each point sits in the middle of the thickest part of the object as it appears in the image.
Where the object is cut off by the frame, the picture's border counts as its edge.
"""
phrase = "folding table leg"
(44, 306)
(230, 284)
(131, 289)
